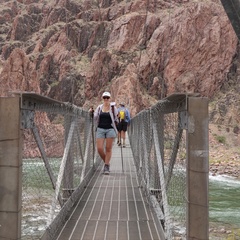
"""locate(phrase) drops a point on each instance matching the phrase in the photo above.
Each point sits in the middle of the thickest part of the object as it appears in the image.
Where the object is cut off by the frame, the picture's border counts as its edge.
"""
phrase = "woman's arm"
(97, 113)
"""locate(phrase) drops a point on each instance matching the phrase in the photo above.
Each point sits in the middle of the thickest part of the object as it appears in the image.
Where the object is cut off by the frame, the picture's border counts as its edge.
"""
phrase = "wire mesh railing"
(58, 160)
(158, 142)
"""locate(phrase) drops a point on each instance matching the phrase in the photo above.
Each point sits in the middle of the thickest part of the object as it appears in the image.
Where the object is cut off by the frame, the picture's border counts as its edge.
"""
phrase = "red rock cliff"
(139, 50)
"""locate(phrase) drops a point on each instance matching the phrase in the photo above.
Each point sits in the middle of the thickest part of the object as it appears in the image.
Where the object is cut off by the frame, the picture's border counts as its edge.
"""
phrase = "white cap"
(106, 94)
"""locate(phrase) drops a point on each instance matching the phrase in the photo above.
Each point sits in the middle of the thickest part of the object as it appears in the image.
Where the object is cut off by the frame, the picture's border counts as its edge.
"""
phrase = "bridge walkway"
(112, 206)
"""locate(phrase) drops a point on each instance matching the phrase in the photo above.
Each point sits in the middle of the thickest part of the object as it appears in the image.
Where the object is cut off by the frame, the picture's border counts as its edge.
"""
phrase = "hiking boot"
(106, 169)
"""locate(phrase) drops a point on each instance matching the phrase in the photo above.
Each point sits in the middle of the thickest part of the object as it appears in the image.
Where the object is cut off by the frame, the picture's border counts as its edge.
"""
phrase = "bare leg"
(100, 148)
(123, 134)
(119, 136)
(109, 143)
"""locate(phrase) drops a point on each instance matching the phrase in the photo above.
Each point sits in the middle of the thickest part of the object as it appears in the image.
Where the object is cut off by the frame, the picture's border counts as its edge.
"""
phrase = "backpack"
(122, 114)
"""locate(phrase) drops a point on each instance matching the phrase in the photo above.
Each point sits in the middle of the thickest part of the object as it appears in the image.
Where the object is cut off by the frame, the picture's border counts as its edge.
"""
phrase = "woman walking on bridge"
(105, 117)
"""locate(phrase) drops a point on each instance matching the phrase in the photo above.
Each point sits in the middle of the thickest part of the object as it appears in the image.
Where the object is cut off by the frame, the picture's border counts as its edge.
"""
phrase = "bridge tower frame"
(10, 168)
(197, 169)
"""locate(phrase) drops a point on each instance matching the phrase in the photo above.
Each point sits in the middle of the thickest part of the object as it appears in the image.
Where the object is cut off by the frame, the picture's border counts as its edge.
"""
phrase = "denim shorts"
(106, 133)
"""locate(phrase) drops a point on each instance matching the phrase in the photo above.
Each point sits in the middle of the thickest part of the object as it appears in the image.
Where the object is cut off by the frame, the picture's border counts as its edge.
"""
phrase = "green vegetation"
(221, 139)
(235, 235)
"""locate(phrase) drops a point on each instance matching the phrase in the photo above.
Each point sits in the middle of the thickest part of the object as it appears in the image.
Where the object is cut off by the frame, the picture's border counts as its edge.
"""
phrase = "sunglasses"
(106, 97)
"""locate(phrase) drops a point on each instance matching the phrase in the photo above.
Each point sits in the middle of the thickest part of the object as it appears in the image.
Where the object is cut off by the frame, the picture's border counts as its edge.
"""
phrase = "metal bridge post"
(68, 170)
(10, 169)
(197, 169)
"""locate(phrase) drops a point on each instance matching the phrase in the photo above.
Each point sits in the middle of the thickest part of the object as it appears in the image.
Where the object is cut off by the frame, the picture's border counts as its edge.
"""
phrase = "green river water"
(224, 204)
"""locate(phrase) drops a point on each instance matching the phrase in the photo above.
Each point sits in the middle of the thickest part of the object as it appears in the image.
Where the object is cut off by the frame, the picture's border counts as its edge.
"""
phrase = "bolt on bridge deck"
(112, 206)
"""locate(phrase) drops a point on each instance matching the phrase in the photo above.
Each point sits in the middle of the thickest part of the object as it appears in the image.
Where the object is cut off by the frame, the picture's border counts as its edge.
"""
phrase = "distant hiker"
(105, 117)
(124, 121)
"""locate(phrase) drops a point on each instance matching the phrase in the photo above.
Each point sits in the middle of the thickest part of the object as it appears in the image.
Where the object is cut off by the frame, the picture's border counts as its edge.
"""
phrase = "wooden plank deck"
(112, 206)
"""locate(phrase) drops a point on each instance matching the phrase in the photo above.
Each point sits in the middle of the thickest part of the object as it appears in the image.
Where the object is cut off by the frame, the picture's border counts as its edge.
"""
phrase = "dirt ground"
(224, 152)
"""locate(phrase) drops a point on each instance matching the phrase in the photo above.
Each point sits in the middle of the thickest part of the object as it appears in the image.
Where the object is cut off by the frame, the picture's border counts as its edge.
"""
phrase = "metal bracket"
(183, 120)
(27, 120)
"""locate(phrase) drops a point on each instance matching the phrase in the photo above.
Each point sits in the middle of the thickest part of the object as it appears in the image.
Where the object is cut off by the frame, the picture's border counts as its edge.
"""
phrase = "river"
(224, 206)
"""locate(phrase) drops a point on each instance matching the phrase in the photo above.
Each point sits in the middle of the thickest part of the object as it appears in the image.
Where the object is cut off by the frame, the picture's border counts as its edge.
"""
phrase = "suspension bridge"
(51, 180)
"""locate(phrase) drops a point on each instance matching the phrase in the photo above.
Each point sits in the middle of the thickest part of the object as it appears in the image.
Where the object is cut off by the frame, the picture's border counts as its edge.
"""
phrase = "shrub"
(221, 139)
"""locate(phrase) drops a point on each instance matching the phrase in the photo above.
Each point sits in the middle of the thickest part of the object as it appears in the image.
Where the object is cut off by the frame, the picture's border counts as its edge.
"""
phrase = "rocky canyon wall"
(139, 50)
